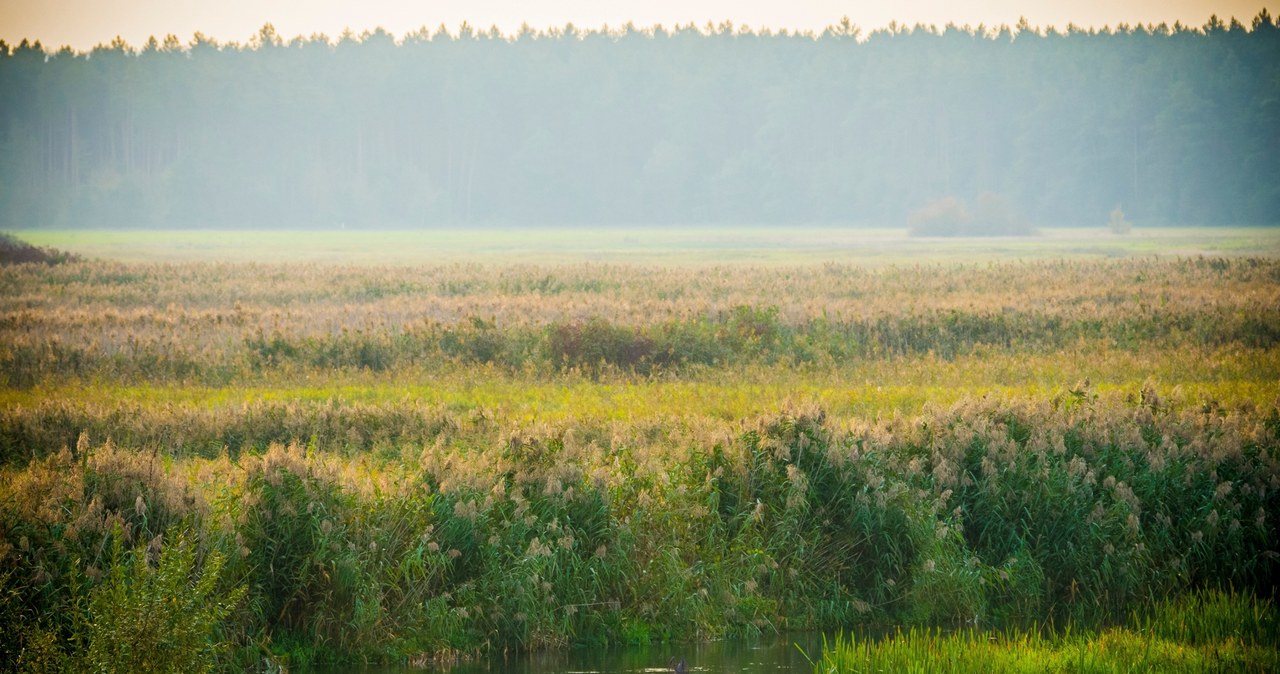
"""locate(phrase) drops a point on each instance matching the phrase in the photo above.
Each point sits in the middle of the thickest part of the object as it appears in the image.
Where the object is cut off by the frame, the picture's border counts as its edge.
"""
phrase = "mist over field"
(1174, 125)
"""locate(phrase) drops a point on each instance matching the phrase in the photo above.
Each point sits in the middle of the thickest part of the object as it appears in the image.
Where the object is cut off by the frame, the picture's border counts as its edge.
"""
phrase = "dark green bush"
(595, 343)
(16, 251)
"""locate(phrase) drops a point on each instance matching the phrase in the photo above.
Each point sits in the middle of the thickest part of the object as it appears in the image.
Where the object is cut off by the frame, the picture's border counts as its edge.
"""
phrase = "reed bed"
(988, 512)
(369, 413)
(222, 324)
(342, 463)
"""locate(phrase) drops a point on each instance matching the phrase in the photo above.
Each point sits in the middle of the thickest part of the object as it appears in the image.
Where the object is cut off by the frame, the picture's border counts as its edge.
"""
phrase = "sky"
(83, 24)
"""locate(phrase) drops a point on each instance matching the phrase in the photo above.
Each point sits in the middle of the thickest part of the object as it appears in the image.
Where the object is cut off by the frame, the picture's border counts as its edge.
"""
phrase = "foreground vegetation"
(997, 512)
(242, 464)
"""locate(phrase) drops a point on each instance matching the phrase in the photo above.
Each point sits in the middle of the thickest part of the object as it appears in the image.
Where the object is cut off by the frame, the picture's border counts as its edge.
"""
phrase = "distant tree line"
(1176, 125)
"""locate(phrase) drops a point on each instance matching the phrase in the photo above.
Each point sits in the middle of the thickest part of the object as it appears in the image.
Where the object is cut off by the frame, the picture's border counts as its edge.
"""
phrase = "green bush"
(164, 618)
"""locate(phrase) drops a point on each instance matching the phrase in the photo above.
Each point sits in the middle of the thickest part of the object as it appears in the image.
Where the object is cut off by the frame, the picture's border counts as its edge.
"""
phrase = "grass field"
(418, 445)
(654, 245)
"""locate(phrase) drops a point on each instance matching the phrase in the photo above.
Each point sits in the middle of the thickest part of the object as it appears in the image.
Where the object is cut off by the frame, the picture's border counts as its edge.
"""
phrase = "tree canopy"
(1176, 125)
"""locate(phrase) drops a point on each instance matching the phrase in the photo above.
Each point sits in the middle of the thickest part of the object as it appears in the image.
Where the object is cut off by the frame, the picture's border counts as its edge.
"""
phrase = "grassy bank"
(1204, 632)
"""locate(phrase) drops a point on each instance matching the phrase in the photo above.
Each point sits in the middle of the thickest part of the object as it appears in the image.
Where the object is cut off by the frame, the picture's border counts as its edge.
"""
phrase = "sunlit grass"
(870, 388)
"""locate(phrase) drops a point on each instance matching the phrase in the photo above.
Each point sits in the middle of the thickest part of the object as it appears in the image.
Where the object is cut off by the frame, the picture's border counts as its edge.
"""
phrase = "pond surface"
(781, 654)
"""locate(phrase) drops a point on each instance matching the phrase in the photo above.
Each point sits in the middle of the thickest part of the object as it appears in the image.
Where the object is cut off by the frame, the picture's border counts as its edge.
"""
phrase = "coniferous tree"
(626, 125)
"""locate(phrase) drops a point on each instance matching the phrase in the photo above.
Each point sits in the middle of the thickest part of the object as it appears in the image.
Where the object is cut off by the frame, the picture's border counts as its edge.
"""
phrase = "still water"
(775, 654)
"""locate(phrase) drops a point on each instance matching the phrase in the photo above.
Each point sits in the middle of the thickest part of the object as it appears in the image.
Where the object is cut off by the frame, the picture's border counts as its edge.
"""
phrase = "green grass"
(1201, 632)
(659, 245)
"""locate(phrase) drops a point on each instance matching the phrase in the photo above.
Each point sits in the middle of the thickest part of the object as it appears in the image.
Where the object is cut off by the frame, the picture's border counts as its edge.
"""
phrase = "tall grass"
(204, 324)
(992, 513)
(368, 463)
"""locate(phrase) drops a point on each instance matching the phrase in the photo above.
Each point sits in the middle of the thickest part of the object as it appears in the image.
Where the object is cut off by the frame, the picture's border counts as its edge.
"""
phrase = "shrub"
(592, 344)
(161, 619)
(304, 568)
(990, 215)
(16, 251)
(480, 341)
(1118, 224)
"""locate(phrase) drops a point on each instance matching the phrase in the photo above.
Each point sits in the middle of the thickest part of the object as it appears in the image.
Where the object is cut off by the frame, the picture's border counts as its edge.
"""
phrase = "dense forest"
(718, 124)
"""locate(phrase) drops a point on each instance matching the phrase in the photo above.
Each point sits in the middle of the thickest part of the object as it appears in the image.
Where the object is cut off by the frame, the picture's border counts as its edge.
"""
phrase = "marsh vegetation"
(583, 337)
(302, 462)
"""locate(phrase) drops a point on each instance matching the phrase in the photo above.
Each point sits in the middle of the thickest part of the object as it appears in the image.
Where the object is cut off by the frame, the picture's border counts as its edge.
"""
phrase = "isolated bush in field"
(476, 340)
(594, 343)
(990, 215)
(751, 330)
(375, 351)
(693, 342)
(1118, 224)
(944, 217)
(162, 618)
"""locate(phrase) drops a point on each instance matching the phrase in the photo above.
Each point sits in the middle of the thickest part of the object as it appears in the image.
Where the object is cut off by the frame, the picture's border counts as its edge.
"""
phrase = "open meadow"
(284, 448)
(662, 245)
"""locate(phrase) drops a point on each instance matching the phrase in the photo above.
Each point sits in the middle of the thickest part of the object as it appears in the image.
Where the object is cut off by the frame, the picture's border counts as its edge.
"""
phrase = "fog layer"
(1175, 126)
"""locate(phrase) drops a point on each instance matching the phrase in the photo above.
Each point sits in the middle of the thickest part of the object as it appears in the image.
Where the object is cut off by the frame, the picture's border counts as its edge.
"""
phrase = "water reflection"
(775, 653)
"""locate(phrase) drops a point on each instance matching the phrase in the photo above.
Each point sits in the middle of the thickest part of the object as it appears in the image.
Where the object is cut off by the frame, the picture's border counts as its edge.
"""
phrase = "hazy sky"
(84, 23)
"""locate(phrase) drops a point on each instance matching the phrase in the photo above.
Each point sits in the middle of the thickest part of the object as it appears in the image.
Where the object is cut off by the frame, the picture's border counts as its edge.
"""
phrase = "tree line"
(1174, 124)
